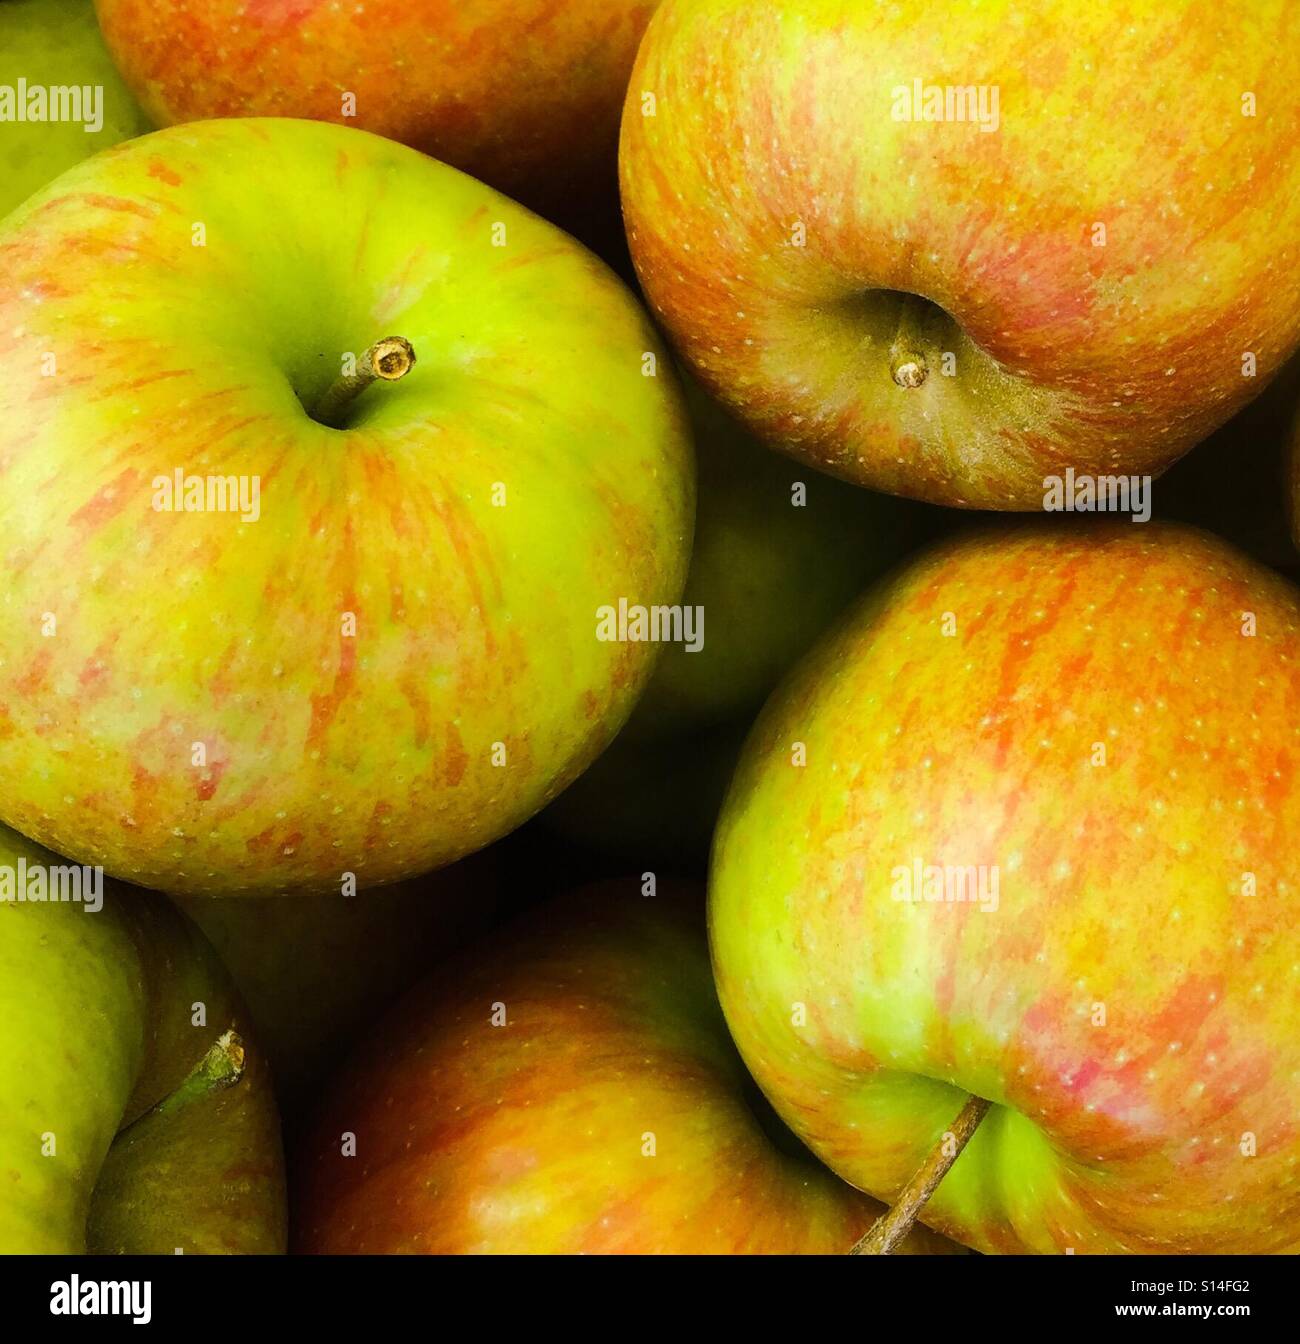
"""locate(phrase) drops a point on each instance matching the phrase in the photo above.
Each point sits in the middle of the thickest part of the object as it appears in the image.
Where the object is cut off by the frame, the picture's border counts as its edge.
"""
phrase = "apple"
(250, 651)
(525, 94)
(314, 968)
(56, 44)
(604, 1111)
(136, 1111)
(951, 258)
(1024, 828)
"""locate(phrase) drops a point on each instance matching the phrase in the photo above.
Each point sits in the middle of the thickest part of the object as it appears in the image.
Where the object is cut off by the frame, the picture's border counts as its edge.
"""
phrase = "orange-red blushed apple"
(571, 1088)
(524, 94)
(948, 252)
(1026, 827)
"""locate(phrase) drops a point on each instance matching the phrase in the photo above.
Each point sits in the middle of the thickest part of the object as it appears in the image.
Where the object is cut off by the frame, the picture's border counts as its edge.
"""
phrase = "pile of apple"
(941, 892)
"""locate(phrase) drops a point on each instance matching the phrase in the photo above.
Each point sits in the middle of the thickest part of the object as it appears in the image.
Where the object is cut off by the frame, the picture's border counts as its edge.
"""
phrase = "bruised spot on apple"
(569, 1088)
(914, 304)
(248, 652)
(1025, 827)
(136, 1111)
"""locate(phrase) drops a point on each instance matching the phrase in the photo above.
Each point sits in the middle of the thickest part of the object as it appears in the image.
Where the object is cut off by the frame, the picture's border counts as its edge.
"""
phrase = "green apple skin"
(469, 520)
(1129, 1011)
(523, 94)
(56, 43)
(535, 1136)
(779, 215)
(312, 969)
(96, 1028)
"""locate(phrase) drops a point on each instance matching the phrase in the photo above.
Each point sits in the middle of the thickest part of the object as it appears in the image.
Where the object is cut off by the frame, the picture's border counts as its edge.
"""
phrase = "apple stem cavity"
(893, 1225)
(907, 362)
(388, 361)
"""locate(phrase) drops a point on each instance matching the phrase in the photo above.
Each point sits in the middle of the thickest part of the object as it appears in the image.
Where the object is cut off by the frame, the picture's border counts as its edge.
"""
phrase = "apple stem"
(388, 361)
(220, 1068)
(896, 1222)
(907, 363)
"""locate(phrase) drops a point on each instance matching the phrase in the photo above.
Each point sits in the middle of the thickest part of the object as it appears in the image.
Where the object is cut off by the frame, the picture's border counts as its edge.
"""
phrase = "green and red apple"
(1025, 827)
(56, 44)
(248, 650)
(314, 970)
(524, 94)
(136, 1110)
(949, 256)
(569, 1089)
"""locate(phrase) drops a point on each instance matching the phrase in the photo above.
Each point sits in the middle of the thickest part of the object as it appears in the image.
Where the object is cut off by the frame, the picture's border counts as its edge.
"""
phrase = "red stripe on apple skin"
(160, 172)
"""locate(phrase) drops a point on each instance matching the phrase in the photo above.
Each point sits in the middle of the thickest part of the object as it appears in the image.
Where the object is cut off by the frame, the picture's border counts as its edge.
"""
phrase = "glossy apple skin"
(1120, 887)
(771, 116)
(524, 94)
(96, 1028)
(475, 623)
(56, 43)
(529, 1137)
(314, 969)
